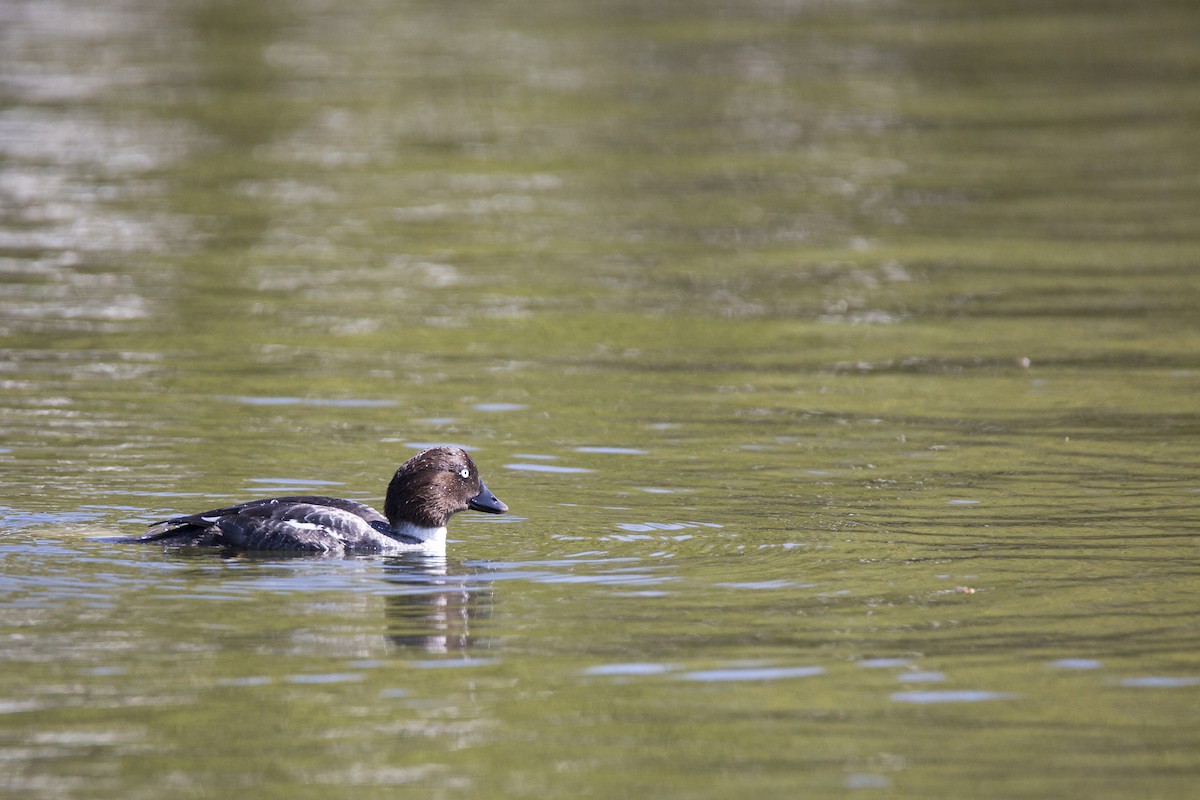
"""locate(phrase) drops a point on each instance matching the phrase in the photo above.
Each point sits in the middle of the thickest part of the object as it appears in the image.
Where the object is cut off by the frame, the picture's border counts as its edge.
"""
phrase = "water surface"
(838, 362)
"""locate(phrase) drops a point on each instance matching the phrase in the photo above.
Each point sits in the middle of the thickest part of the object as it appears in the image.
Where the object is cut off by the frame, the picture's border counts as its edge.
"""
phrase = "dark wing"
(313, 524)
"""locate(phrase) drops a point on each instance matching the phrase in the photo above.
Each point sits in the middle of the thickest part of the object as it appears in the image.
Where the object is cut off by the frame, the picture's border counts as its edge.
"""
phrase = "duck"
(423, 494)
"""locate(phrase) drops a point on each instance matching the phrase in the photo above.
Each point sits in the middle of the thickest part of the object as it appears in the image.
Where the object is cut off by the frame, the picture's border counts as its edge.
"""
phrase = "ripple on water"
(772, 584)
(921, 677)
(1076, 663)
(549, 468)
(950, 696)
(13, 519)
(629, 669)
(348, 402)
(327, 677)
(250, 680)
(453, 663)
(499, 406)
(751, 674)
(286, 486)
(648, 527)
(1160, 682)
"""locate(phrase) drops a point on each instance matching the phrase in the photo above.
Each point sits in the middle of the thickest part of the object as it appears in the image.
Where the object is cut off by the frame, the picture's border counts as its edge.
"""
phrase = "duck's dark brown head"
(434, 485)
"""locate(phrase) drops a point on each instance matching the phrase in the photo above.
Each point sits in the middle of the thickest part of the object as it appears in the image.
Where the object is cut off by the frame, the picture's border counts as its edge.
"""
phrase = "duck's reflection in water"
(438, 605)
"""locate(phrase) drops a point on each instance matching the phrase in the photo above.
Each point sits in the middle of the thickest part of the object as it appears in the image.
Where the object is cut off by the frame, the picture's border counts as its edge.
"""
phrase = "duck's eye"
(464, 473)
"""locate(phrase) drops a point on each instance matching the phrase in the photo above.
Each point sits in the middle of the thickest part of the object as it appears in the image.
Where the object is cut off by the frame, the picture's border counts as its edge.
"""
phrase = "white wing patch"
(306, 526)
(333, 522)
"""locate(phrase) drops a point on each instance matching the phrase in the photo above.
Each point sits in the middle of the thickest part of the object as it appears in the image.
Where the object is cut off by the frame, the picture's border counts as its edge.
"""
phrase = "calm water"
(840, 363)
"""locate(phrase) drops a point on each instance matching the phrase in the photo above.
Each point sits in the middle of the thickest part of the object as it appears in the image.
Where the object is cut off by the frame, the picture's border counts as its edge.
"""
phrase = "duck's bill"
(486, 501)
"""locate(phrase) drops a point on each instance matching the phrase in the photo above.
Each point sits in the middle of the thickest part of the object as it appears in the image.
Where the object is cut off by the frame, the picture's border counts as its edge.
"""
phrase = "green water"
(839, 363)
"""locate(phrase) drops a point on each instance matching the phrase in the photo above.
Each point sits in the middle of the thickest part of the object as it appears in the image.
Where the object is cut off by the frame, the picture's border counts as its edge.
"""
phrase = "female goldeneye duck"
(424, 493)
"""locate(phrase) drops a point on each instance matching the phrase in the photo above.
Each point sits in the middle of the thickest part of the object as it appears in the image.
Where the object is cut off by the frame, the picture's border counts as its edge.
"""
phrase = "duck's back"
(312, 524)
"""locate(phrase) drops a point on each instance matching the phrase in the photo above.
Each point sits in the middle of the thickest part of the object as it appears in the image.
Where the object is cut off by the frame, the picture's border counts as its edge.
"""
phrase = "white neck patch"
(433, 540)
